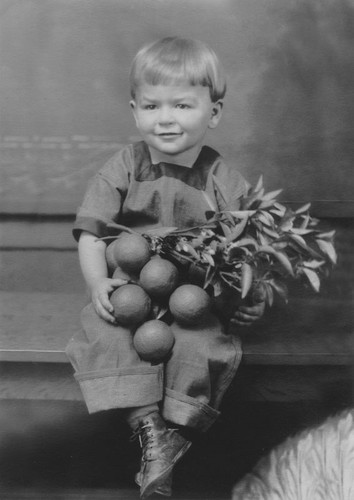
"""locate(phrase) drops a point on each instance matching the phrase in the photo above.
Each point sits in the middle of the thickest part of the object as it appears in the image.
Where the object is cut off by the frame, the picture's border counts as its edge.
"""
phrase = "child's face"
(173, 120)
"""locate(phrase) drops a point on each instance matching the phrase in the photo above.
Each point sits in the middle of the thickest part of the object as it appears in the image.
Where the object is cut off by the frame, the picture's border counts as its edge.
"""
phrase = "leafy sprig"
(260, 246)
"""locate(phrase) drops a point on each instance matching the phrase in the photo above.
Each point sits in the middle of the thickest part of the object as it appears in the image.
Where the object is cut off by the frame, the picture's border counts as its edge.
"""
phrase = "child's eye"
(150, 107)
(182, 106)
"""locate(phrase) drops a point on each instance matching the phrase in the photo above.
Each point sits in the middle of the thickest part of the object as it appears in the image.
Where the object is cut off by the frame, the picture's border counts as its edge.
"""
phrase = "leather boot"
(163, 488)
(162, 448)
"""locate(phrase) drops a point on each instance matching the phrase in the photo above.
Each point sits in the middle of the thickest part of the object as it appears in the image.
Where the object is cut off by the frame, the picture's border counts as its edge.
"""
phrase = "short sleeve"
(104, 196)
(231, 186)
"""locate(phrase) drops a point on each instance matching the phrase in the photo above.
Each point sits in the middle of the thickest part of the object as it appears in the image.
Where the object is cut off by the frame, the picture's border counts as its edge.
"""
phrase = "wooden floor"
(54, 450)
(114, 494)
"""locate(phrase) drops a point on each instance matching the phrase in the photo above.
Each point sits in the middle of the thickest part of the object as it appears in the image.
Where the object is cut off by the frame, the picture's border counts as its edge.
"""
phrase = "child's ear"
(216, 113)
(132, 104)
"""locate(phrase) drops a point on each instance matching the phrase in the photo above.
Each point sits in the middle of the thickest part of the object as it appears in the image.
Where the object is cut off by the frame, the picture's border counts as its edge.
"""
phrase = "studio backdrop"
(64, 93)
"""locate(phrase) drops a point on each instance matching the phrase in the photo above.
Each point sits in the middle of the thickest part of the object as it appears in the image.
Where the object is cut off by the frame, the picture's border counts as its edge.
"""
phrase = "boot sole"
(166, 492)
(150, 489)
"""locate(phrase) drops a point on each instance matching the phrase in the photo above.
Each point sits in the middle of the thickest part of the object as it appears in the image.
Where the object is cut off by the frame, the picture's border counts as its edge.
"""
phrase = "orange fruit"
(159, 277)
(119, 273)
(189, 304)
(153, 340)
(130, 252)
(131, 304)
(110, 258)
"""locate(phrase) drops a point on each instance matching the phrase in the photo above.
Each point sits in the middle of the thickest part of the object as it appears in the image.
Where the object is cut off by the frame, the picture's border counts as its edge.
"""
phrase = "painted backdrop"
(289, 111)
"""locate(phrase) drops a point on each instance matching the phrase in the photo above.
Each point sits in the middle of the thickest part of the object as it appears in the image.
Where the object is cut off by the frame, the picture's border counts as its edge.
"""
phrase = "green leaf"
(226, 230)
(237, 231)
(192, 231)
(265, 218)
(208, 258)
(280, 245)
(269, 294)
(270, 232)
(305, 222)
(231, 284)
(287, 223)
(246, 279)
(303, 209)
(266, 204)
(245, 242)
(242, 214)
(310, 251)
(271, 195)
(263, 240)
(280, 256)
(160, 231)
(326, 236)
(297, 230)
(209, 276)
(259, 184)
(189, 249)
(328, 249)
(280, 288)
(313, 278)
(299, 240)
(250, 200)
(314, 264)
(281, 207)
(275, 211)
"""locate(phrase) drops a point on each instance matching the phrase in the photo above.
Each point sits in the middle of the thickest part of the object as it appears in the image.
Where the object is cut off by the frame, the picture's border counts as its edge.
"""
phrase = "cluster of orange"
(153, 286)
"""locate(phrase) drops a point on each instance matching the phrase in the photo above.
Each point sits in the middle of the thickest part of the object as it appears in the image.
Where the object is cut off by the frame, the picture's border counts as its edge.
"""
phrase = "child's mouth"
(170, 134)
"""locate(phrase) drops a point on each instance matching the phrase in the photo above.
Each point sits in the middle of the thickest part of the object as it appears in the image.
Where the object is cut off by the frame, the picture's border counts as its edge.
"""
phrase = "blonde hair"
(175, 60)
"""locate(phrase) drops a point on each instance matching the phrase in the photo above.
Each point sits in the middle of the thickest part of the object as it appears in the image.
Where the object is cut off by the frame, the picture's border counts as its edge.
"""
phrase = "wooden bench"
(296, 351)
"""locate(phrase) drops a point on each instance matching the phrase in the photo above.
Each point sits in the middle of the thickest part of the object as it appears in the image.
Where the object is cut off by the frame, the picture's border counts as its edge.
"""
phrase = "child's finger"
(118, 282)
(241, 319)
(105, 302)
(255, 310)
(103, 313)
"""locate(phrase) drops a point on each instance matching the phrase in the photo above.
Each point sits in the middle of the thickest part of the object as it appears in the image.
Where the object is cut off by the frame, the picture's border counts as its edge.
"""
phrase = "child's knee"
(204, 337)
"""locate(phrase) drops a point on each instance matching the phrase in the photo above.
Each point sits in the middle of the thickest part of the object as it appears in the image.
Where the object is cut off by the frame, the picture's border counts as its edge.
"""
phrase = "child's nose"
(166, 115)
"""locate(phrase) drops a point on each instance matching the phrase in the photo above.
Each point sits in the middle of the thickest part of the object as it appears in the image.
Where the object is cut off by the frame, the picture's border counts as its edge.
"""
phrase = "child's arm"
(92, 256)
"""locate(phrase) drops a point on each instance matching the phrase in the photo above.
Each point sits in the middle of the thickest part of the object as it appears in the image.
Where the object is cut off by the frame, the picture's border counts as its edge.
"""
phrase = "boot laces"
(146, 437)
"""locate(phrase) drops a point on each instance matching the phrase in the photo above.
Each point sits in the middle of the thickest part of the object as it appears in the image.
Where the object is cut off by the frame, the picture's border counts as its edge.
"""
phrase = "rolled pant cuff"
(124, 388)
(184, 410)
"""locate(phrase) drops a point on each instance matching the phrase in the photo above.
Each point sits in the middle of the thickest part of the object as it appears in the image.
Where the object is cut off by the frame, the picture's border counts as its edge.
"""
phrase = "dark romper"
(130, 190)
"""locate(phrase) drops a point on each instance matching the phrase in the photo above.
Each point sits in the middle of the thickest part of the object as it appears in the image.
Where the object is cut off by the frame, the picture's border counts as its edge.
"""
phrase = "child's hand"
(100, 297)
(246, 315)
(249, 312)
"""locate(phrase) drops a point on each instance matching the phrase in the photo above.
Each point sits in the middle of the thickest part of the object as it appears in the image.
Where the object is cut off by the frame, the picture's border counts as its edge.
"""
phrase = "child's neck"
(185, 159)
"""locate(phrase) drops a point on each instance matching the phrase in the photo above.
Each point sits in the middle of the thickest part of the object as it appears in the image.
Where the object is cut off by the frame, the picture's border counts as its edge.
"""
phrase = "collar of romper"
(196, 177)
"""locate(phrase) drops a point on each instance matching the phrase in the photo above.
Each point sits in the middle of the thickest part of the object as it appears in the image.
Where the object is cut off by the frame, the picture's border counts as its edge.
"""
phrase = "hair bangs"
(175, 61)
(173, 73)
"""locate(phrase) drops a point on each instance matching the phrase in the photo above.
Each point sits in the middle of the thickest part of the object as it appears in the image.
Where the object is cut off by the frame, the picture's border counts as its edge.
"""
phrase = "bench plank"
(37, 327)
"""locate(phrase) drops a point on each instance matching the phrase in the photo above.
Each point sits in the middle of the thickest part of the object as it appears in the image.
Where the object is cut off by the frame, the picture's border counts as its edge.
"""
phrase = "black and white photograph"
(176, 249)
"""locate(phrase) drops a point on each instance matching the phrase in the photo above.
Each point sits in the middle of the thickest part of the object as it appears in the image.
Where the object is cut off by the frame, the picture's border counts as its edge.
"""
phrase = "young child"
(177, 87)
